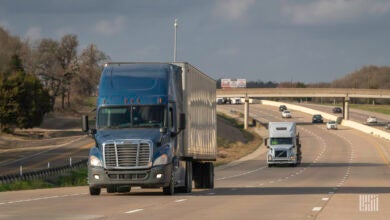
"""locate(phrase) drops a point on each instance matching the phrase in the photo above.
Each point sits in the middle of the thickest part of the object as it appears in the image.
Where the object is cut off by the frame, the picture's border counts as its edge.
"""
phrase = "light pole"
(174, 43)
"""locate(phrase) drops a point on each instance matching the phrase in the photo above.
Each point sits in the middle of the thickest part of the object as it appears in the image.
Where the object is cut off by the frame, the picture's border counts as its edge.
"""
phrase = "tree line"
(368, 77)
(46, 75)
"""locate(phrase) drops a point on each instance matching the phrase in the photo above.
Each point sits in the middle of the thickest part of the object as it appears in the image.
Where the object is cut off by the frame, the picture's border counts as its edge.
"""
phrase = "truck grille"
(280, 153)
(127, 154)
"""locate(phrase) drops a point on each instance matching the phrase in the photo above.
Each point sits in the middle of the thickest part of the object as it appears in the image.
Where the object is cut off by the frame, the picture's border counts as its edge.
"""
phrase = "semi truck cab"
(283, 144)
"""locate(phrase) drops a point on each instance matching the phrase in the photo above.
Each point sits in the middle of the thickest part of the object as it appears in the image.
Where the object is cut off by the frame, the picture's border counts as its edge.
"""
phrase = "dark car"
(317, 119)
(282, 108)
(337, 110)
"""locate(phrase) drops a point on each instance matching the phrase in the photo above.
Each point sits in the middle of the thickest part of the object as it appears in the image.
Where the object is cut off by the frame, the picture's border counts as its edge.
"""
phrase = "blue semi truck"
(155, 127)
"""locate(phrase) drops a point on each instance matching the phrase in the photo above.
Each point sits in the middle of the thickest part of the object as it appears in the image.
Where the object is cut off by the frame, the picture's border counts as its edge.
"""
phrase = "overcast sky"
(277, 40)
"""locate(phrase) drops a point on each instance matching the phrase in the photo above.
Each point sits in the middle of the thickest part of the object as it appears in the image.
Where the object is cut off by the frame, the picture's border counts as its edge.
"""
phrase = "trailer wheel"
(93, 191)
(198, 175)
(208, 175)
(170, 189)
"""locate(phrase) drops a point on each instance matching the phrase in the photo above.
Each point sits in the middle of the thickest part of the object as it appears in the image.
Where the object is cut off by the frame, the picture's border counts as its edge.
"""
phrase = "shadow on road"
(255, 191)
(292, 191)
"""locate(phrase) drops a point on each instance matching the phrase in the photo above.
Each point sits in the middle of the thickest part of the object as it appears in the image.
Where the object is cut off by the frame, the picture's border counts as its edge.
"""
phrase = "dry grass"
(230, 149)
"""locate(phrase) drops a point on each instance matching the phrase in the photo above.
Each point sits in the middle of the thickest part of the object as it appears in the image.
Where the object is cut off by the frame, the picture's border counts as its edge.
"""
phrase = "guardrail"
(44, 173)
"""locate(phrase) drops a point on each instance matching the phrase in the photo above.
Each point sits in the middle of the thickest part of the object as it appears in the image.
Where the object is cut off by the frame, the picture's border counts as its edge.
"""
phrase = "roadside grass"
(384, 109)
(229, 151)
(74, 178)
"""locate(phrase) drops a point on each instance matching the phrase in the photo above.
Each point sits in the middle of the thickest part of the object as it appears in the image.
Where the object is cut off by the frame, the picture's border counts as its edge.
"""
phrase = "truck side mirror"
(84, 123)
(182, 122)
(266, 142)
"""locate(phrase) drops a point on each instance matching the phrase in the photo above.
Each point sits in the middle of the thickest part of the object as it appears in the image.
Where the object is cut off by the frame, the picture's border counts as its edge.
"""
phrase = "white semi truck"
(283, 144)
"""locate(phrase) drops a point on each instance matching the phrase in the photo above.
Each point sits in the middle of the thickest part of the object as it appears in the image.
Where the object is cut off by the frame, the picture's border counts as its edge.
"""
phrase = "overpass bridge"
(345, 94)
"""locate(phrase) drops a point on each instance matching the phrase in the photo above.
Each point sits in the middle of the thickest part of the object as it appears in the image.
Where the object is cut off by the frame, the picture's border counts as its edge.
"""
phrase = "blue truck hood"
(113, 134)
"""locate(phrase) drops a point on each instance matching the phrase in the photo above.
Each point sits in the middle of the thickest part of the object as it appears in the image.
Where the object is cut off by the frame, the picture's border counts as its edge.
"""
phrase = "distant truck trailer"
(283, 144)
(155, 127)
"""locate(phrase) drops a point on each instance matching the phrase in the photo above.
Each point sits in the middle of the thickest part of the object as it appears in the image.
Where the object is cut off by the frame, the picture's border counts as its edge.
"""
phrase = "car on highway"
(317, 119)
(282, 108)
(331, 125)
(337, 110)
(371, 120)
(286, 114)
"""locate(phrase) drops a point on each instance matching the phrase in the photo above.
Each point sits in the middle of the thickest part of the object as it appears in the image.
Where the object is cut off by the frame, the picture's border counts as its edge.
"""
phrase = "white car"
(286, 114)
(331, 125)
(371, 120)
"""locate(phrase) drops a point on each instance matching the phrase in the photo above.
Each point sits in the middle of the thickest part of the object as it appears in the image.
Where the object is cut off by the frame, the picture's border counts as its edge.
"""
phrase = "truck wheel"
(208, 175)
(170, 190)
(94, 191)
(112, 189)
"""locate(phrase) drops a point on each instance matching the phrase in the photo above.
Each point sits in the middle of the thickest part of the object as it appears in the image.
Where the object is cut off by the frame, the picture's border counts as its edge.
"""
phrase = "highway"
(355, 115)
(345, 174)
(54, 152)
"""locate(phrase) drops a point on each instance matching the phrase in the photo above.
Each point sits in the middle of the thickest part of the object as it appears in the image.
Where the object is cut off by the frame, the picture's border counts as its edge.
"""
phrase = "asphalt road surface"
(345, 174)
(72, 149)
(356, 115)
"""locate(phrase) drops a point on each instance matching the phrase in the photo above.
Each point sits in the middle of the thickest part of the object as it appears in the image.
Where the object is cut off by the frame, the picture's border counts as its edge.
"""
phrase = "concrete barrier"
(348, 123)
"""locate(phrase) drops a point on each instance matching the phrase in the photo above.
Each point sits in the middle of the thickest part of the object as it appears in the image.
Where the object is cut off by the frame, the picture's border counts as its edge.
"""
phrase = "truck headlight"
(269, 157)
(161, 160)
(95, 161)
(292, 157)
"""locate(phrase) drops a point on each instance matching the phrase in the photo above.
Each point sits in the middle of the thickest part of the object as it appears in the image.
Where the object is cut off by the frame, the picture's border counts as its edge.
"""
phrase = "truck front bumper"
(148, 178)
(281, 162)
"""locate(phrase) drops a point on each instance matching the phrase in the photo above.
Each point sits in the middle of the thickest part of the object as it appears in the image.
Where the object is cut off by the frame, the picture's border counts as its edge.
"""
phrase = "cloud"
(232, 9)
(333, 11)
(34, 33)
(110, 28)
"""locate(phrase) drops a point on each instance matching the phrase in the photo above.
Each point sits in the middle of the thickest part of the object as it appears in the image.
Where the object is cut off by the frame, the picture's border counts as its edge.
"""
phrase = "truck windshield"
(279, 141)
(131, 117)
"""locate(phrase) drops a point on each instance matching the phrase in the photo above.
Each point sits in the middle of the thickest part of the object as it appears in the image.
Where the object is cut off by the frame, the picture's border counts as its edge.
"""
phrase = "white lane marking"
(42, 198)
(210, 193)
(241, 174)
(180, 200)
(316, 209)
(331, 192)
(325, 199)
(134, 211)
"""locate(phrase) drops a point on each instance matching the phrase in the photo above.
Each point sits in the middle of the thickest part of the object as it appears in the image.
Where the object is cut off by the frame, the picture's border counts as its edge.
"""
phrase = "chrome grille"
(127, 154)
(280, 153)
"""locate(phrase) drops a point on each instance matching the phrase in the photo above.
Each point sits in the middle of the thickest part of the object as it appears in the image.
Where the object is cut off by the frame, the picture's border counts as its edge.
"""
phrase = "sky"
(269, 40)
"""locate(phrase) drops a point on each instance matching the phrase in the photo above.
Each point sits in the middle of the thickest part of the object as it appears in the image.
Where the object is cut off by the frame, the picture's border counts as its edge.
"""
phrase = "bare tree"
(91, 60)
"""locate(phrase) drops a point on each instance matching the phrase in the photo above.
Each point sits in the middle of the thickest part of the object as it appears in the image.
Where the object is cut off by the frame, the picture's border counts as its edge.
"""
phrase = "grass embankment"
(384, 109)
(75, 178)
(229, 149)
